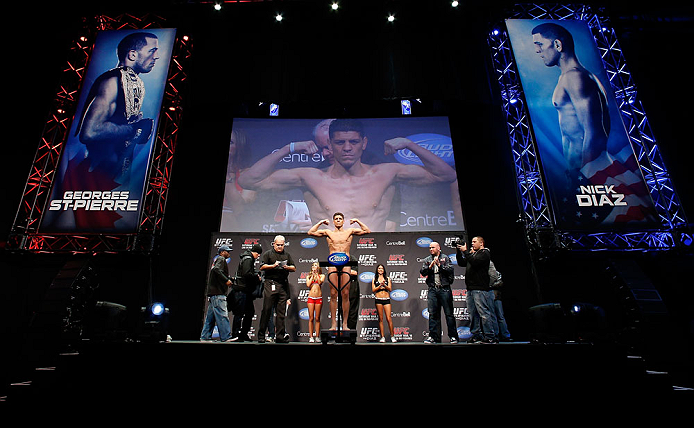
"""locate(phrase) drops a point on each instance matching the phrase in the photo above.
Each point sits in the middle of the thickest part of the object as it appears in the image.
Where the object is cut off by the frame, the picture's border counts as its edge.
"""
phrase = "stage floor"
(190, 372)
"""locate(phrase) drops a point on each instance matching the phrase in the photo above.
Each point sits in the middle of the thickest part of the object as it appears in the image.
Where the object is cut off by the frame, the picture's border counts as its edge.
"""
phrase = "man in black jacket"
(438, 269)
(480, 296)
(276, 264)
(218, 284)
(247, 279)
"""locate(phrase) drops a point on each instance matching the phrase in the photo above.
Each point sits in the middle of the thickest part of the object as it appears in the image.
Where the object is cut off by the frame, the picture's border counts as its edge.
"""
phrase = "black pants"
(277, 298)
(354, 296)
(243, 310)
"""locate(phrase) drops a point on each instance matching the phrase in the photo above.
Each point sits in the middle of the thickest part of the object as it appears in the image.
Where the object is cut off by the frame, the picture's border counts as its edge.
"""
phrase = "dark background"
(353, 63)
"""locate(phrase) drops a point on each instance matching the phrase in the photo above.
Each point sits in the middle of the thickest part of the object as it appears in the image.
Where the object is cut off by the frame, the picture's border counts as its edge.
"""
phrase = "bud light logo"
(425, 314)
(303, 314)
(440, 145)
(366, 277)
(308, 243)
(464, 333)
(423, 242)
(338, 259)
(399, 295)
(453, 259)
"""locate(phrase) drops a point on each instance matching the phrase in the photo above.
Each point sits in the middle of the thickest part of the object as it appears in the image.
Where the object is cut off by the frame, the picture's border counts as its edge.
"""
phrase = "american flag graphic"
(621, 174)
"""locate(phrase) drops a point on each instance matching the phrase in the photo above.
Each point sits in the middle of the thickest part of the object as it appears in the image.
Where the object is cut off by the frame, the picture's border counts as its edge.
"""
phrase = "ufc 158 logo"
(398, 277)
(367, 260)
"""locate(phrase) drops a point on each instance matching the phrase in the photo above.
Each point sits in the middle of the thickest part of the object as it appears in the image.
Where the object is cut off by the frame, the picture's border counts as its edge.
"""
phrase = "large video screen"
(102, 171)
(590, 168)
(392, 174)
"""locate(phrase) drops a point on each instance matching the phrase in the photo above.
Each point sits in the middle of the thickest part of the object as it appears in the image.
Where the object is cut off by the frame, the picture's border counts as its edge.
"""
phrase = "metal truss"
(25, 234)
(536, 212)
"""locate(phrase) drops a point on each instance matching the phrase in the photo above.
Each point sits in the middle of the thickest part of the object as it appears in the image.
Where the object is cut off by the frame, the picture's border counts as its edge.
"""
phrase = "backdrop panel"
(401, 253)
(102, 171)
(588, 162)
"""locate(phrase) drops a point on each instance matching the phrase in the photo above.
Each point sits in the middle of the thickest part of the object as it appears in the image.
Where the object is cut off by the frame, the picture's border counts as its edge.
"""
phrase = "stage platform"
(249, 373)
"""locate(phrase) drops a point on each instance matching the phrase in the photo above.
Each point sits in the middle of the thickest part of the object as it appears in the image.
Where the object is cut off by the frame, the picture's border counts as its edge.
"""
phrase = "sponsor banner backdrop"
(590, 168)
(402, 255)
(103, 167)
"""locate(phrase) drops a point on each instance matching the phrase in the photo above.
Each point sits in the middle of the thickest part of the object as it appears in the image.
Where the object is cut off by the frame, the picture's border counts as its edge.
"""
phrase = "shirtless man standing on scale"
(339, 241)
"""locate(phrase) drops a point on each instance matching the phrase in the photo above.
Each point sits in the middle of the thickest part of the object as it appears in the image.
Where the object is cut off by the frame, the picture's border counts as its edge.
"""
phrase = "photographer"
(480, 296)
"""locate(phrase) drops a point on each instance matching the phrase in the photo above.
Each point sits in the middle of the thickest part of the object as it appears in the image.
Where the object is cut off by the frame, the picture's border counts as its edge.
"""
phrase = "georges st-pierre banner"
(102, 171)
(402, 254)
(393, 174)
(589, 165)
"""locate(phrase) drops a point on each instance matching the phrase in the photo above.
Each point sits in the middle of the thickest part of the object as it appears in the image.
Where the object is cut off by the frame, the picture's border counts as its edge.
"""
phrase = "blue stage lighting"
(274, 109)
(157, 309)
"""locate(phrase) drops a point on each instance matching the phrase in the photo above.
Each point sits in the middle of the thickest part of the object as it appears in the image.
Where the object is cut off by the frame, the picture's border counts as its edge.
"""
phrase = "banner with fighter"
(105, 160)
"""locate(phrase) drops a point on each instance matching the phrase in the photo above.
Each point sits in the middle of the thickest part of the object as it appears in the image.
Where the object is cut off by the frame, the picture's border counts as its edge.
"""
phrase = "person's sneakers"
(311, 340)
(454, 340)
(474, 340)
(261, 339)
(394, 340)
(382, 339)
(489, 341)
(429, 340)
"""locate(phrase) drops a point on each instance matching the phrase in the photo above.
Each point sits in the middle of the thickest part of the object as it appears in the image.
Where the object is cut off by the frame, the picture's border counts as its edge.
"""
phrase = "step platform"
(338, 336)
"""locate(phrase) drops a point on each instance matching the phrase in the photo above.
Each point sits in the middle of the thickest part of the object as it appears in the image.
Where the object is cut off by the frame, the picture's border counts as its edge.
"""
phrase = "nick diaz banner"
(589, 165)
(103, 167)
(401, 253)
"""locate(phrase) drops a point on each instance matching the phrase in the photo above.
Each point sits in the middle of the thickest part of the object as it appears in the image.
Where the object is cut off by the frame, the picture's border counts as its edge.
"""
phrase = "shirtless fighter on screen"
(339, 241)
(348, 185)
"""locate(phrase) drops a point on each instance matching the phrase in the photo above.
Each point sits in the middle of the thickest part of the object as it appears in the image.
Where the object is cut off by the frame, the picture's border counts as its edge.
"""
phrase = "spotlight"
(391, 18)
(217, 6)
(157, 309)
(454, 3)
(153, 323)
(334, 6)
(274, 110)
(278, 17)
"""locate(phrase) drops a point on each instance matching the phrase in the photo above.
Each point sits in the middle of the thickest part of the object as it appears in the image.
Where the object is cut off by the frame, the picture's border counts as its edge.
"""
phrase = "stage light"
(217, 6)
(391, 18)
(278, 17)
(454, 3)
(153, 323)
(274, 110)
(157, 309)
(334, 6)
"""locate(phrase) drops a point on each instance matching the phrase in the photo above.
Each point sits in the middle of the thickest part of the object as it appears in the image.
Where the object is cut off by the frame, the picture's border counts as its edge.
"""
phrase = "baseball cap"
(224, 248)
